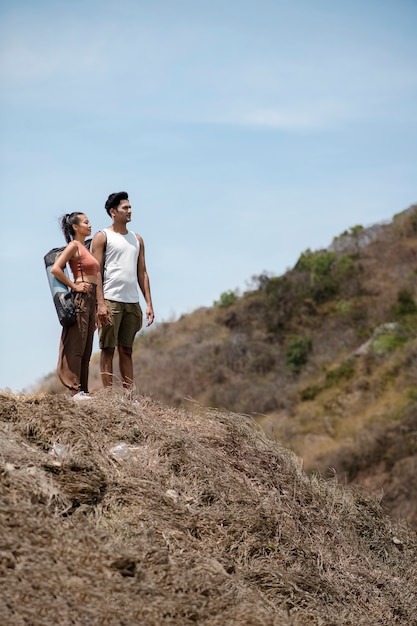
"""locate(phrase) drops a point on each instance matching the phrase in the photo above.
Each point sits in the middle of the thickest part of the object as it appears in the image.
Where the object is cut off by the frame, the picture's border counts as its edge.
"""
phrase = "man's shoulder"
(138, 237)
(100, 234)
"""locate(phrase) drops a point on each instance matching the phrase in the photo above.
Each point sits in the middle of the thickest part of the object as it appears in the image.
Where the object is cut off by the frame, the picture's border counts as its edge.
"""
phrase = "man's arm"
(98, 247)
(144, 284)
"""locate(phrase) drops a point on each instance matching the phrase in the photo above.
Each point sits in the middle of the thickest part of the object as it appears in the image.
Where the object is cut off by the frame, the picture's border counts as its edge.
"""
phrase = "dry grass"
(204, 521)
(338, 408)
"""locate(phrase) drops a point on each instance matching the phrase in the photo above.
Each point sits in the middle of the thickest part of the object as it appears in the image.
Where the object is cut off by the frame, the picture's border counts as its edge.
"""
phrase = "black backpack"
(62, 296)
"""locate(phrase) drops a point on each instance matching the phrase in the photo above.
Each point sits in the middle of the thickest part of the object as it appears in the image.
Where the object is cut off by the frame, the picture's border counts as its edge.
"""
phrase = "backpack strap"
(81, 265)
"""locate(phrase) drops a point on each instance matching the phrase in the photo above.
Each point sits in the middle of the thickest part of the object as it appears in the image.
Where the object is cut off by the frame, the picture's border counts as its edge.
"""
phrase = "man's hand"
(103, 315)
(150, 316)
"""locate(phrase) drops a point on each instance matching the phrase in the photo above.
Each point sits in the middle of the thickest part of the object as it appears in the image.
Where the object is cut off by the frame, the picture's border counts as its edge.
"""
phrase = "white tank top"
(120, 279)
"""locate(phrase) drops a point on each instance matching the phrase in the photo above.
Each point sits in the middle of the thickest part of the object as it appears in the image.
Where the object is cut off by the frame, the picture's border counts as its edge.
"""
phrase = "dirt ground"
(115, 512)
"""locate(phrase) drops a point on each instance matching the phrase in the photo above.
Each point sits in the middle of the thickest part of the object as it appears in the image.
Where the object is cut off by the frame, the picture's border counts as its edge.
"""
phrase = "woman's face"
(83, 227)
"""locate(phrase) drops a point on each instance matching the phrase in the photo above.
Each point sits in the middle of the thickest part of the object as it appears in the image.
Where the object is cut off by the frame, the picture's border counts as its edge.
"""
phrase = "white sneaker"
(81, 395)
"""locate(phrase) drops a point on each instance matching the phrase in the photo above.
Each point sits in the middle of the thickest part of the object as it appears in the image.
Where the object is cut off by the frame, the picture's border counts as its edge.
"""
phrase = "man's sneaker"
(81, 395)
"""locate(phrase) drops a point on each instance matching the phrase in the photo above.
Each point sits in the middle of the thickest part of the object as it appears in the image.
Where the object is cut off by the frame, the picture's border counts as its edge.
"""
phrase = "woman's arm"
(98, 246)
(58, 268)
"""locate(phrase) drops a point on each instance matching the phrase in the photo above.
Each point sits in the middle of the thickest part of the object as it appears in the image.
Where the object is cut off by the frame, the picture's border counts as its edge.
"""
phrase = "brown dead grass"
(205, 521)
(235, 357)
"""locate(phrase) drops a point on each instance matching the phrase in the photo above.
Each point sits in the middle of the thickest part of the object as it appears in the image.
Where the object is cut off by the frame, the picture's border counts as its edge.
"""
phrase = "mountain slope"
(324, 357)
(121, 513)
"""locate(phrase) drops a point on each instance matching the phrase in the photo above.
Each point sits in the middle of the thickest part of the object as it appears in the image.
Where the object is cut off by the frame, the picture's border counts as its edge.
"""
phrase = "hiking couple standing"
(106, 287)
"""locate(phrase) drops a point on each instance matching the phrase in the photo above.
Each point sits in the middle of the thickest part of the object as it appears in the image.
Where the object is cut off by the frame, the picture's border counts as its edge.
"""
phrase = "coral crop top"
(90, 265)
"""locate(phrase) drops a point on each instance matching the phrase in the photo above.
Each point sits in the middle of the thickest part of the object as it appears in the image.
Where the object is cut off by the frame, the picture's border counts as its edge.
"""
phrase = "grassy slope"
(202, 520)
(334, 411)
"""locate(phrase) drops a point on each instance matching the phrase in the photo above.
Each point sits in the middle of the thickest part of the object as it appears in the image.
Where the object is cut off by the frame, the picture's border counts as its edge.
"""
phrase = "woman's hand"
(81, 287)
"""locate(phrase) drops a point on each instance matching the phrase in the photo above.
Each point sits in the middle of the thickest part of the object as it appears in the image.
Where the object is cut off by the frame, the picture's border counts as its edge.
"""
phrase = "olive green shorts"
(126, 321)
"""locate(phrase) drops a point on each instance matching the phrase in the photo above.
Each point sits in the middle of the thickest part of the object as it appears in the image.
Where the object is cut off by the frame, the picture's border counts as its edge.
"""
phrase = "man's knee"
(125, 351)
(107, 354)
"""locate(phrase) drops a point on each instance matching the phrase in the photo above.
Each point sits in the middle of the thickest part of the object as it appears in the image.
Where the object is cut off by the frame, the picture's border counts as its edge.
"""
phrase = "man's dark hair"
(114, 200)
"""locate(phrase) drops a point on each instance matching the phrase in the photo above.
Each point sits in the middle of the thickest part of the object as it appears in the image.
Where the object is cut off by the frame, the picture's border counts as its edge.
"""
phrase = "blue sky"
(243, 132)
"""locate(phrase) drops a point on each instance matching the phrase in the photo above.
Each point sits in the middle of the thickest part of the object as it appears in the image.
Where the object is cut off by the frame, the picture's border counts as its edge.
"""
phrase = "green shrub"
(319, 263)
(388, 343)
(405, 304)
(310, 393)
(280, 302)
(227, 298)
(344, 306)
(344, 267)
(345, 371)
(405, 223)
(412, 393)
(321, 266)
(304, 263)
(297, 352)
(275, 289)
(325, 289)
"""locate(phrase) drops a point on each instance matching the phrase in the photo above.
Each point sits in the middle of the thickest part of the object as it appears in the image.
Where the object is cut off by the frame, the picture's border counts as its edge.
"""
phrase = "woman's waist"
(87, 279)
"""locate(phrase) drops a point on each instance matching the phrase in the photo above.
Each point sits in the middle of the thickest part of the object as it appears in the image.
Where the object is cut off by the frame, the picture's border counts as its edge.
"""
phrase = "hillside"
(324, 357)
(122, 513)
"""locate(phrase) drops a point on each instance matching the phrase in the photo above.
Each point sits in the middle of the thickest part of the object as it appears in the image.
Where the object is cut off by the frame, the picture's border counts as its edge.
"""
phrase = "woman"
(77, 341)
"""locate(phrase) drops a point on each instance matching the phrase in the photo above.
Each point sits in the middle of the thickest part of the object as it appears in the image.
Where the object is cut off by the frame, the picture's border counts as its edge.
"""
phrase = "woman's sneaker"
(81, 395)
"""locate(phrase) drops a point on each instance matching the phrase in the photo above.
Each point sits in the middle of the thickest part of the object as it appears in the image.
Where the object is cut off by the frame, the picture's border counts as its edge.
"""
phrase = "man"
(121, 254)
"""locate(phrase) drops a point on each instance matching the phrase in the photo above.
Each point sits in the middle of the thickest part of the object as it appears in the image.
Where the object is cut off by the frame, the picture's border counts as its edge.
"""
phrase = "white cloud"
(311, 118)
(27, 60)
(190, 72)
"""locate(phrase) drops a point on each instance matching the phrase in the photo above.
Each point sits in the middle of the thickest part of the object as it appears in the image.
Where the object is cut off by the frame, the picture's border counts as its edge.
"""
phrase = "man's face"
(124, 211)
